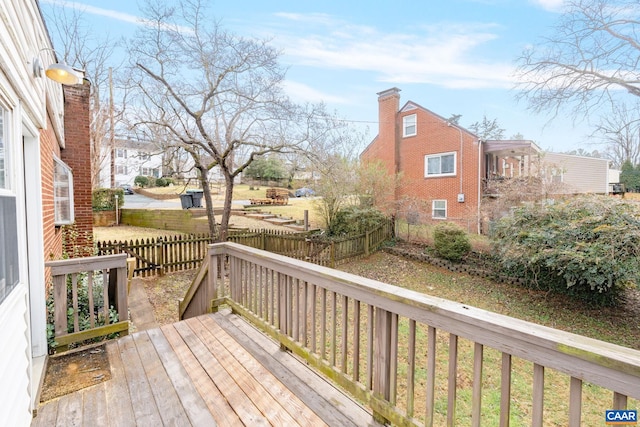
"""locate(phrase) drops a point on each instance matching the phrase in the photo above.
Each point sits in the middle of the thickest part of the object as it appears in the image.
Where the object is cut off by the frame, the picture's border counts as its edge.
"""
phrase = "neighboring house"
(445, 171)
(132, 158)
(44, 184)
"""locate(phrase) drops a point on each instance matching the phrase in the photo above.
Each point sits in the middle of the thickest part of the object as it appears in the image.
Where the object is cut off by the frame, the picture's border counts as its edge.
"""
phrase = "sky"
(451, 57)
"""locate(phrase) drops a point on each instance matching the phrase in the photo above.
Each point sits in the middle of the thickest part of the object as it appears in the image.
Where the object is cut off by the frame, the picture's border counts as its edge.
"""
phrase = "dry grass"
(126, 232)
(165, 292)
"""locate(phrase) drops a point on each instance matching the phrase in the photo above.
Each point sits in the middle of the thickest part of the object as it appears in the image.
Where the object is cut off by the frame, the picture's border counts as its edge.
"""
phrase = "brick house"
(440, 164)
(45, 188)
(446, 172)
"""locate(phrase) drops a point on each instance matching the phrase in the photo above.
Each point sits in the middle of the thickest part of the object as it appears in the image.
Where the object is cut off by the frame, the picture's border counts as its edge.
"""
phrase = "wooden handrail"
(65, 273)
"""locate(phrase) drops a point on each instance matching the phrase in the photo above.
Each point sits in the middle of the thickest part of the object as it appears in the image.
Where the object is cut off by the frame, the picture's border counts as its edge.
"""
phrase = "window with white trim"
(443, 164)
(121, 170)
(9, 256)
(121, 152)
(62, 193)
(439, 209)
(409, 125)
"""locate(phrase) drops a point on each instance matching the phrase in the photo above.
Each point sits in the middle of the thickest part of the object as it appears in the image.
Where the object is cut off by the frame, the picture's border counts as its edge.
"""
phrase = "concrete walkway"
(140, 309)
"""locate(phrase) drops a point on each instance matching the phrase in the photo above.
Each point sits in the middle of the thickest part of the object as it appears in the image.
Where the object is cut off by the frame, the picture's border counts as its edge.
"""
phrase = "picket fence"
(157, 256)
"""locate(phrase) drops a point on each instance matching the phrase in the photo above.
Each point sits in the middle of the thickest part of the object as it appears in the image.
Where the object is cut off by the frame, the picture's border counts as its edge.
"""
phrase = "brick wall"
(52, 235)
(77, 155)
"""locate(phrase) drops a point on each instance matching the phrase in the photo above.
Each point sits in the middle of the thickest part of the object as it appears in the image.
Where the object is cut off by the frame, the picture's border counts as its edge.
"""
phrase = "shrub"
(586, 247)
(450, 241)
(104, 199)
(141, 181)
(161, 182)
(355, 220)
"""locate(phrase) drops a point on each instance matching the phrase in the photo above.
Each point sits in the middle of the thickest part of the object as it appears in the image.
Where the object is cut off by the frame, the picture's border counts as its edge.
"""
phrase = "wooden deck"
(206, 371)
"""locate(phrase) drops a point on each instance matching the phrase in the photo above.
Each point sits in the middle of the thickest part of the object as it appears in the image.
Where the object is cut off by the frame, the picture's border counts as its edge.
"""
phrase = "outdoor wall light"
(59, 72)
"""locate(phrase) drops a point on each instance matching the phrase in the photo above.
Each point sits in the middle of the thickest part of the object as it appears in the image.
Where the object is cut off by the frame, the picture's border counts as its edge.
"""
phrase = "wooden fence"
(416, 359)
(169, 254)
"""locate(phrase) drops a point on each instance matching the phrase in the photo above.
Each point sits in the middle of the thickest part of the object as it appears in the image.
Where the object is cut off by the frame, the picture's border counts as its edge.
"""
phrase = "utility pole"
(112, 136)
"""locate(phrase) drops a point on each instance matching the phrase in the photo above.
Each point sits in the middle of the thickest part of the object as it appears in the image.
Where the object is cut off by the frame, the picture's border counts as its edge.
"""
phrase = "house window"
(121, 170)
(409, 125)
(440, 165)
(439, 209)
(62, 193)
(122, 153)
(9, 272)
(145, 156)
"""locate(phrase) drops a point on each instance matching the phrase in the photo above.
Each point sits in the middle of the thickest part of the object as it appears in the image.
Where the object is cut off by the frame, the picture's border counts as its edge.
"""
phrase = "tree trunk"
(211, 218)
(226, 211)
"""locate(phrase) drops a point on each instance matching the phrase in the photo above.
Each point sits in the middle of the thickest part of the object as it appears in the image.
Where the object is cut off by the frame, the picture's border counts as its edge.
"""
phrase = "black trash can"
(186, 200)
(196, 195)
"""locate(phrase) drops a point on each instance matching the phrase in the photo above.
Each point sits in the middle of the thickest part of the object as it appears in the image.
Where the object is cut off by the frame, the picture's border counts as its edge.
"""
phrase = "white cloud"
(108, 13)
(440, 54)
(301, 92)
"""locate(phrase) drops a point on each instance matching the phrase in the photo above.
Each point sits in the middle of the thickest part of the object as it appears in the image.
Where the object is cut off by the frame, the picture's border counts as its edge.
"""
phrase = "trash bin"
(186, 200)
(196, 195)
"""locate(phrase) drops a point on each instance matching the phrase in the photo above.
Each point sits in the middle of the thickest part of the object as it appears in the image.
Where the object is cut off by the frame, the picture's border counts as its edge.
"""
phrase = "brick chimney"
(388, 106)
(77, 155)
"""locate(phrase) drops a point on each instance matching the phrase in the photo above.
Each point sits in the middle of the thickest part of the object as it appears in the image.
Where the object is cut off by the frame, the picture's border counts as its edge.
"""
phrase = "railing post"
(121, 294)
(366, 243)
(160, 255)
(382, 357)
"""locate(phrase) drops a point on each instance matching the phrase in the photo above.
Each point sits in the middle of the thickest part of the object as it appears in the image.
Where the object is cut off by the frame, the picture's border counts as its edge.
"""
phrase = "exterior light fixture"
(59, 72)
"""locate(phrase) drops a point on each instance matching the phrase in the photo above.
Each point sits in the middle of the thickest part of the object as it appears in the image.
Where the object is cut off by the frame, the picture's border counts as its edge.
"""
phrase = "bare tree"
(219, 96)
(487, 129)
(620, 133)
(590, 61)
(83, 50)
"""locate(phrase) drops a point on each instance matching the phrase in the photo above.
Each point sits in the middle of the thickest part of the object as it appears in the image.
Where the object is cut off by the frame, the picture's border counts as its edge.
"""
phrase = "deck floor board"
(213, 370)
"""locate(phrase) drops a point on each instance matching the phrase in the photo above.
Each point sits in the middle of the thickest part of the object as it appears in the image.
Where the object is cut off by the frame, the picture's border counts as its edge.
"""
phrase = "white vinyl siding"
(439, 209)
(443, 164)
(577, 174)
(15, 360)
(409, 125)
(3, 150)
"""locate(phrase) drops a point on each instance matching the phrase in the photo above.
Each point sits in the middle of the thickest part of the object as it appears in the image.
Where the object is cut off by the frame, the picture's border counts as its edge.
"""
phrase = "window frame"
(406, 125)
(440, 156)
(434, 209)
(122, 170)
(61, 218)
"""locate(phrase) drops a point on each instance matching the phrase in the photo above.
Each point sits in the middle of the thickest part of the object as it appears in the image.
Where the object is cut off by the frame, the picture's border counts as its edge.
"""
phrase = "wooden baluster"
(452, 381)
(356, 340)
(431, 375)
(345, 333)
(575, 402)
(538, 395)
(92, 321)
(476, 400)
(370, 320)
(505, 390)
(334, 323)
(393, 359)
(411, 367)
(74, 301)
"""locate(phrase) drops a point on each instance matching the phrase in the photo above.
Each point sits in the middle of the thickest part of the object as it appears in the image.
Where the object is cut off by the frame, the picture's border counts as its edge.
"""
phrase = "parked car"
(304, 192)
(127, 188)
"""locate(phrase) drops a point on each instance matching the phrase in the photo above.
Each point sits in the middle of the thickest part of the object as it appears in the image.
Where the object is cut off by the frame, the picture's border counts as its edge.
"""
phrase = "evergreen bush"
(586, 247)
(450, 241)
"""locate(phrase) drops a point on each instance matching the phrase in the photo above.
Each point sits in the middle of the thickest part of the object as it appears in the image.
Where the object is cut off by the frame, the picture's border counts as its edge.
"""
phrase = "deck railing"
(415, 359)
(87, 293)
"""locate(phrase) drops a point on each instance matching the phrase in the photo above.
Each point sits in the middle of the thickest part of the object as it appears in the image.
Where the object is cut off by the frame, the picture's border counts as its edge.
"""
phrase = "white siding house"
(27, 103)
(580, 175)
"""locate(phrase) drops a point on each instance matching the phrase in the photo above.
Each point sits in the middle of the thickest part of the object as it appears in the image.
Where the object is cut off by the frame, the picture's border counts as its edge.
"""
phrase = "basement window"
(62, 193)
